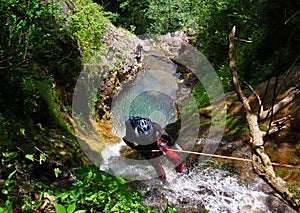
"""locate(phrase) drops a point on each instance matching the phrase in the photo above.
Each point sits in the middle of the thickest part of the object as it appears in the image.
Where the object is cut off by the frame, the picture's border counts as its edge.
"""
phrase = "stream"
(205, 188)
(209, 188)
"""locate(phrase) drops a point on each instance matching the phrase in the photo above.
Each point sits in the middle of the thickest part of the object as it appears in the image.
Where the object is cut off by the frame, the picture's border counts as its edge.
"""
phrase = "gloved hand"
(162, 146)
(170, 140)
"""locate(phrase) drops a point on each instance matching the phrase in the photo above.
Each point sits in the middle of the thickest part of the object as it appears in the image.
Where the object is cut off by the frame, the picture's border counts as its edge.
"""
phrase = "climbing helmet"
(144, 127)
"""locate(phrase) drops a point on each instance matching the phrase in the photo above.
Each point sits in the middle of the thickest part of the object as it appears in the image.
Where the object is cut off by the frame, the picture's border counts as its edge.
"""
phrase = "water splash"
(211, 189)
(204, 188)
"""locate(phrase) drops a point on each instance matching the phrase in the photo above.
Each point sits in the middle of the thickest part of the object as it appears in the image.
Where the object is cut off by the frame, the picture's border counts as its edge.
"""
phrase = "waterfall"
(152, 95)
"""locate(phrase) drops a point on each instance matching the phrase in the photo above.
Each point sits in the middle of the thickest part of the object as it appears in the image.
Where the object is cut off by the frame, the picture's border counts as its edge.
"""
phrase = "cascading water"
(143, 98)
(204, 188)
(211, 189)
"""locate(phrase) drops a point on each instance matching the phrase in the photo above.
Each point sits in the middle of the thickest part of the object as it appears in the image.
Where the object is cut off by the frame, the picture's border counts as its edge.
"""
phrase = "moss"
(50, 97)
(236, 125)
(294, 190)
(264, 127)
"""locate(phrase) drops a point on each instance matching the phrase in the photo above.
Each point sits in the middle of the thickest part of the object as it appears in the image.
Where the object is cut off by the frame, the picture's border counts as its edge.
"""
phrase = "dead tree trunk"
(260, 160)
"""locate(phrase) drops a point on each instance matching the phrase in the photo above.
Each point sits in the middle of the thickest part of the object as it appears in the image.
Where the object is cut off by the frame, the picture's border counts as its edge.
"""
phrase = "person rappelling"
(138, 53)
(152, 141)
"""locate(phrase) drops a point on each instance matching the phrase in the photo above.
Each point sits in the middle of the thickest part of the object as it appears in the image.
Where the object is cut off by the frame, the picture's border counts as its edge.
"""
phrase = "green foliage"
(236, 124)
(278, 173)
(33, 56)
(258, 21)
(93, 191)
(87, 25)
(50, 98)
(8, 193)
(57, 172)
(149, 16)
(169, 210)
(97, 192)
(129, 14)
(169, 16)
(216, 19)
(38, 60)
(200, 95)
(294, 190)
(224, 165)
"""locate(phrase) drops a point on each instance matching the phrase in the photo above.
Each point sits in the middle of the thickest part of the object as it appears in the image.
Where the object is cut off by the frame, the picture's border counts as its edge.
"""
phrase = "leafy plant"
(279, 172)
(6, 204)
(97, 192)
(87, 24)
(169, 210)
(169, 16)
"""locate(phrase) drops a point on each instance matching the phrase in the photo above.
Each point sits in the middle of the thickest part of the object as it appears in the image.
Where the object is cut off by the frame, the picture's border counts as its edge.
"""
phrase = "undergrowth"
(90, 190)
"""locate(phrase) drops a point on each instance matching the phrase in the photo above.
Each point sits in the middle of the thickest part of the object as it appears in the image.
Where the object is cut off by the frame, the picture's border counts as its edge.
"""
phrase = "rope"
(227, 157)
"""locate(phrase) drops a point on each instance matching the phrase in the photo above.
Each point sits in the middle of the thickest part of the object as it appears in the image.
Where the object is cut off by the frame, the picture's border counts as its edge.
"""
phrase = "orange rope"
(227, 157)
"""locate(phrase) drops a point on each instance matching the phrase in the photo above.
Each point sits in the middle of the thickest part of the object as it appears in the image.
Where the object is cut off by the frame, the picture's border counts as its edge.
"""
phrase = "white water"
(217, 191)
(204, 188)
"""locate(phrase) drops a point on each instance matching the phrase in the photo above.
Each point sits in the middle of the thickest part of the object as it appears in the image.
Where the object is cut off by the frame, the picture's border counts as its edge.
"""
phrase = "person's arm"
(163, 133)
(132, 145)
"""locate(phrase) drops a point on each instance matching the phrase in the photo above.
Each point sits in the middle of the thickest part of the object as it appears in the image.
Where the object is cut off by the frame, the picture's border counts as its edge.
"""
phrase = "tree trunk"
(260, 160)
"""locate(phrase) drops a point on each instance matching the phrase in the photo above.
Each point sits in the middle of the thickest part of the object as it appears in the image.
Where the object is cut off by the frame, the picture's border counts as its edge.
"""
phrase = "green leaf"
(22, 131)
(64, 195)
(30, 157)
(71, 208)
(11, 174)
(120, 180)
(57, 172)
(40, 185)
(278, 173)
(60, 208)
(10, 155)
(80, 211)
(169, 210)
(4, 191)
(42, 158)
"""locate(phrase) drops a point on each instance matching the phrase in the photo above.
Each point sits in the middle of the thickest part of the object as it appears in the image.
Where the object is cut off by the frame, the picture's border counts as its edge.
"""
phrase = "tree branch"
(257, 96)
(290, 18)
(260, 160)
(293, 92)
(277, 125)
(251, 118)
(243, 40)
(233, 71)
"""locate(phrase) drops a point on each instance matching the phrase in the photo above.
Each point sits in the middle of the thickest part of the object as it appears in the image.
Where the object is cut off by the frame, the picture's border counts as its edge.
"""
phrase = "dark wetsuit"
(154, 141)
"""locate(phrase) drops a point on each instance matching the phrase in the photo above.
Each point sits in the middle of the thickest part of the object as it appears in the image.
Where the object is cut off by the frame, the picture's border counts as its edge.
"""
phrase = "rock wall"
(120, 58)
(111, 85)
(122, 67)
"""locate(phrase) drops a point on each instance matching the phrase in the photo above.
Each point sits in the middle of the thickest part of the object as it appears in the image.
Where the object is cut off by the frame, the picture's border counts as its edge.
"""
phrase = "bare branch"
(290, 18)
(277, 125)
(243, 40)
(255, 93)
(280, 105)
(233, 71)
(260, 160)
(255, 132)
(6, 59)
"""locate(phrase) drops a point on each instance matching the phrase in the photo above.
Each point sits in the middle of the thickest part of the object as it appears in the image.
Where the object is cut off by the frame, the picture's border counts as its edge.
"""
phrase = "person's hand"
(161, 145)
(177, 147)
